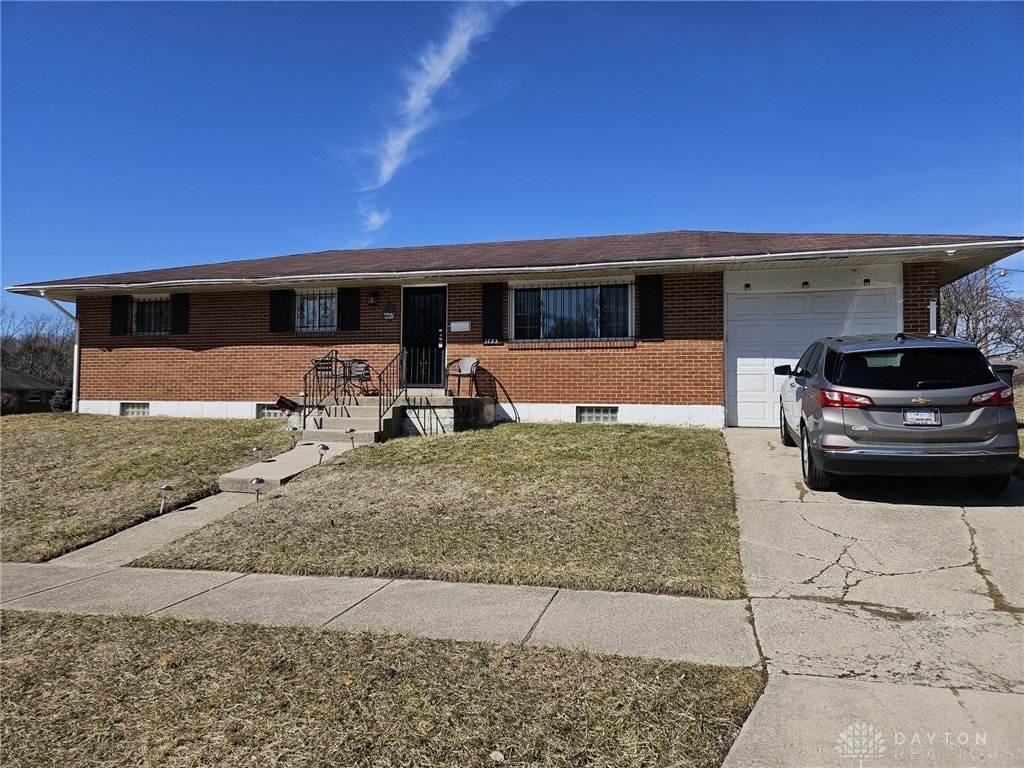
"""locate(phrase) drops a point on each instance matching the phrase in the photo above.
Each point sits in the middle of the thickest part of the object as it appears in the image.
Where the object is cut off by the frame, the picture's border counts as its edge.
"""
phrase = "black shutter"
(650, 303)
(179, 313)
(280, 311)
(493, 327)
(348, 309)
(120, 315)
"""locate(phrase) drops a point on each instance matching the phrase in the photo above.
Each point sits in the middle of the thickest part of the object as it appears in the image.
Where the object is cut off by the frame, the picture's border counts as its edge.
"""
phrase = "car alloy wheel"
(814, 478)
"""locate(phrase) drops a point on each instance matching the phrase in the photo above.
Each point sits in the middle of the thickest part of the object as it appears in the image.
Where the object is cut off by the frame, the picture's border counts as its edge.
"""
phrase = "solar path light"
(257, 451)
(257, 484)
(322, 448)
(293, 433)
(165, 491)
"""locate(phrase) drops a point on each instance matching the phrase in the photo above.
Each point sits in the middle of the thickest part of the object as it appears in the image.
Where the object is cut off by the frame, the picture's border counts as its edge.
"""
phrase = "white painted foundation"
(669, 415)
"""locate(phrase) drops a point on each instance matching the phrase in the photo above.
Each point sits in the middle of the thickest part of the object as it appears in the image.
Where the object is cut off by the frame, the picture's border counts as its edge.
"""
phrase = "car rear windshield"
(914, 369)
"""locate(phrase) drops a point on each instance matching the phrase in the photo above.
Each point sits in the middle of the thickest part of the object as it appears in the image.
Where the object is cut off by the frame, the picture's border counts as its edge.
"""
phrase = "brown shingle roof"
(513, 255)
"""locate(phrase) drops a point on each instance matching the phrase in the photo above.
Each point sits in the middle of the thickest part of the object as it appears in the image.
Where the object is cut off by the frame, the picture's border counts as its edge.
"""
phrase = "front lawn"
(71, 479)
(611, 507)
(106, 691)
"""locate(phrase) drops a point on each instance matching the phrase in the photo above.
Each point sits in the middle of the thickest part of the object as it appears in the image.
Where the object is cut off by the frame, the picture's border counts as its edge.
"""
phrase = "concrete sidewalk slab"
(656, 626)
(132, 591)
(280, 469)
(278, 600)
(980, 650)
(481, 612)
(802, 721)
(22, 579)
(139, 540)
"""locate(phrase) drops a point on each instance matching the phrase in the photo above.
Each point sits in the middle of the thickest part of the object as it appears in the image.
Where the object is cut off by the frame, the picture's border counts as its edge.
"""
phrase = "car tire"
(814, 478)
(991, 484)
(784, 436)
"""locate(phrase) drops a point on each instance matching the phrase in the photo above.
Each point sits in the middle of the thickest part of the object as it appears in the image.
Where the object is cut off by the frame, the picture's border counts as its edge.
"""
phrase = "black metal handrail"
(390, 386)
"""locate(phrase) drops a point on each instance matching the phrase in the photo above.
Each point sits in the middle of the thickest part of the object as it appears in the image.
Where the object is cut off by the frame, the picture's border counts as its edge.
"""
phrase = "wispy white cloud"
(373, 217)
(434, 68)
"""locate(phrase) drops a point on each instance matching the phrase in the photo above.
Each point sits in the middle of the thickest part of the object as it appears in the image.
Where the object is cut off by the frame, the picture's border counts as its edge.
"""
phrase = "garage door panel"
(765, 330)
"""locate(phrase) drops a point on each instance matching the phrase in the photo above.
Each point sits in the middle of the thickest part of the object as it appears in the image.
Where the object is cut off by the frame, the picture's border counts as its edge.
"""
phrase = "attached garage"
(772, 316)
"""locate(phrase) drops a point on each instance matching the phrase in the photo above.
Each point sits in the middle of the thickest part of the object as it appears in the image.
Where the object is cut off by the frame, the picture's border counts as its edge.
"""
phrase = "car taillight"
(1001, 396)
(833, 398)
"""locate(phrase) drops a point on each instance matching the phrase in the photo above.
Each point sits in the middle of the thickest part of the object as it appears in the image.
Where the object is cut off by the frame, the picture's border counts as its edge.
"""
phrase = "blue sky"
(146, 135)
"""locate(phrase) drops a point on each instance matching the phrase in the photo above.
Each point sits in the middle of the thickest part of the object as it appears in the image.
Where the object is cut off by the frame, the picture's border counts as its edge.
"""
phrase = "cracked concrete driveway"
(909, 584)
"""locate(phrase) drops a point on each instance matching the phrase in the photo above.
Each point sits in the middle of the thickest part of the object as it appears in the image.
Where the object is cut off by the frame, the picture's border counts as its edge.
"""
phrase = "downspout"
(78, 351)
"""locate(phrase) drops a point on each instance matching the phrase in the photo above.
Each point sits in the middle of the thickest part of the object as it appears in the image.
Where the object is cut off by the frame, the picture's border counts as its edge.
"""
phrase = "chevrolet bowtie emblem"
(920, 401)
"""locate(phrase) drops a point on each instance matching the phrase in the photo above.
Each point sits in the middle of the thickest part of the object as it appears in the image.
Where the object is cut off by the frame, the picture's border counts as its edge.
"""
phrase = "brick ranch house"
(668, 328)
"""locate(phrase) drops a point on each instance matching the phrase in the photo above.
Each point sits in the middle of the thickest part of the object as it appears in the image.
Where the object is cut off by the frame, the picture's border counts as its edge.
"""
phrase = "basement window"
(597, 414)
(135, 409)
(268, 411)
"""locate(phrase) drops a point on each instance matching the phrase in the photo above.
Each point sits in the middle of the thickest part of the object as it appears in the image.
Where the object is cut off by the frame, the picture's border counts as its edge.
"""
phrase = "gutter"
(484, 271)
(78, 350)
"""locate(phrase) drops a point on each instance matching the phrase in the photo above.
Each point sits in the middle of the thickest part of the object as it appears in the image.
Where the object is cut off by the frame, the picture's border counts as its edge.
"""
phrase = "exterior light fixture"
(746, 286)
(257, 485)
(372, 298)
(805, 284)
(867, 281)
(165, 491)
(257, 451)
(322, 448)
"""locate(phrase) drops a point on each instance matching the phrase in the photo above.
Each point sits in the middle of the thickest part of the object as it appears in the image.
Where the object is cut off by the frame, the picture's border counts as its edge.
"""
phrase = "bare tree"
(39, 343)
(983, 309)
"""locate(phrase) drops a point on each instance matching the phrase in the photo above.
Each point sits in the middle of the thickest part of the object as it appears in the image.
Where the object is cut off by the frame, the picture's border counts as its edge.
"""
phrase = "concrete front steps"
(353, 420)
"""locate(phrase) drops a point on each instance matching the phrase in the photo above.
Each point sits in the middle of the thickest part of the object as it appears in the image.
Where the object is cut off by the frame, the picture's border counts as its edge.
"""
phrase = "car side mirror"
(783, 370)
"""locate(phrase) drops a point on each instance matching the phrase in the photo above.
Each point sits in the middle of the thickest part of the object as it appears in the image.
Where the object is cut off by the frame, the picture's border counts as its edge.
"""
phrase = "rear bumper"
(882, 461)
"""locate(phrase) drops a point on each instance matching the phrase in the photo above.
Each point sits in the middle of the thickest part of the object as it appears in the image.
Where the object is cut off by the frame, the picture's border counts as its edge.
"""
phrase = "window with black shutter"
(493, 325)
(650, 302)
(281, 311)
(120, 315)
(348, 309)
(179, 313)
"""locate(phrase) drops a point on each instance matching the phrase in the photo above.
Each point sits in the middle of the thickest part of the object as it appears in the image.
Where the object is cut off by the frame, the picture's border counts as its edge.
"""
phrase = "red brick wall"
(920, 285)
(229, 355)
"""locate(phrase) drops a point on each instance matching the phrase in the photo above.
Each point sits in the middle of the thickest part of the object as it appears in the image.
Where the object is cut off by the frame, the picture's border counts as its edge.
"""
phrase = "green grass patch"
(68, 480)
(104, 691)
(626, 508)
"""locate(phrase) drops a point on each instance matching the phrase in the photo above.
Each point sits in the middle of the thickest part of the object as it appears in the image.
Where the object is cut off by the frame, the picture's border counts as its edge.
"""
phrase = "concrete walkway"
(674, 628)
(891, 606)
(888, 618)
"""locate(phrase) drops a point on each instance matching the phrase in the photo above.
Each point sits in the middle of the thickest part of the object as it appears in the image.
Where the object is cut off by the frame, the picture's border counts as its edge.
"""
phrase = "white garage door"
(767, 329)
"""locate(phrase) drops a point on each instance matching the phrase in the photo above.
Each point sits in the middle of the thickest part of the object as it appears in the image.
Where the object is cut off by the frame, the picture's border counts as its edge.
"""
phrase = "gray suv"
(898, 405)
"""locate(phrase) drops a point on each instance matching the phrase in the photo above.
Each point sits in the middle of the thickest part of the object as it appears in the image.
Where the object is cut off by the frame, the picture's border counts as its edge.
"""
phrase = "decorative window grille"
(151, 315)
(316, 311)
(597, 414)
(268, 411)
(135, 409)
(35, 396)
(572, 312)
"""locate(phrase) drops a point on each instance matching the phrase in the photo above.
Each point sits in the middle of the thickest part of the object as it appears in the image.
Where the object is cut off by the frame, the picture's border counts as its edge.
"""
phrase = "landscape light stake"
(293, 433)
(352, 437)
(322, 448)
(165, 491)
(257, 483)
(257, 451)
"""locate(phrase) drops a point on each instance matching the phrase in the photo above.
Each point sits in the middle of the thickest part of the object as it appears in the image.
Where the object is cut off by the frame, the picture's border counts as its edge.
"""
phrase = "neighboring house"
(670, 328)
(24, 393)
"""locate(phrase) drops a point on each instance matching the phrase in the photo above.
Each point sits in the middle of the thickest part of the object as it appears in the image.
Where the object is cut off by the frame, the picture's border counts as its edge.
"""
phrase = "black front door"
(424, 311)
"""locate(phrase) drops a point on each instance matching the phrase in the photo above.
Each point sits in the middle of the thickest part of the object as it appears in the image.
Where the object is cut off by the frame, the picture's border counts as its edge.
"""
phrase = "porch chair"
(357, 374)
(465, 369)
(327, 374)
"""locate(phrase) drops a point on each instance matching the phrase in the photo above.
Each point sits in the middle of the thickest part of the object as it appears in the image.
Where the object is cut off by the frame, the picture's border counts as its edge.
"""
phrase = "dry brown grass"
(624, 508)
(92, 691)
(69, 480)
